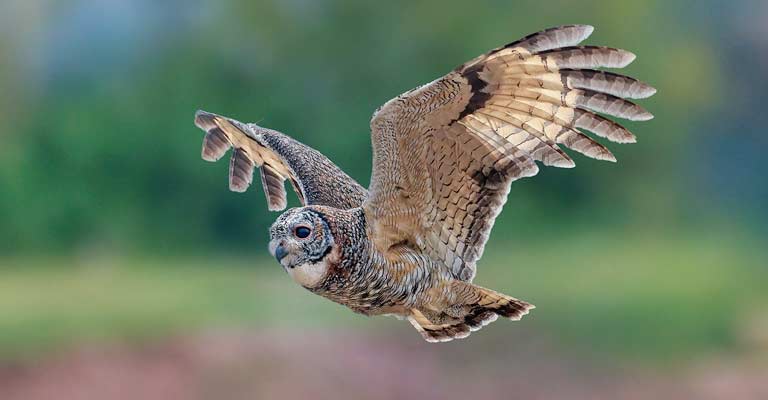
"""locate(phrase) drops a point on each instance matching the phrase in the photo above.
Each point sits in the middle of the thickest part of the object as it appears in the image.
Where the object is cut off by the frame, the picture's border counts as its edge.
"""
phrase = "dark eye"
(302, 232)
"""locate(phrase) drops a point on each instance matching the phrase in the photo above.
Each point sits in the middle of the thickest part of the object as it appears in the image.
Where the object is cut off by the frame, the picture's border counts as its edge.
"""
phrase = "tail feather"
(480, 307)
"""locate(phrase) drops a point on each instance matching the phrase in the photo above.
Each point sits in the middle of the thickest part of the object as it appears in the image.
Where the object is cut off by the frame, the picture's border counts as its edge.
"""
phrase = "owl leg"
(473, 307)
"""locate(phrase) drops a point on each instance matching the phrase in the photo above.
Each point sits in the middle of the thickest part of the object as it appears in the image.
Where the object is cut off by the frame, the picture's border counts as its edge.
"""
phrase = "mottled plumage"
(444, 156)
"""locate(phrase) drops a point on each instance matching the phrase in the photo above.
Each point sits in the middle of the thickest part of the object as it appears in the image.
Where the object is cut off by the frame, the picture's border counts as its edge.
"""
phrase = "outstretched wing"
(446, 153)
(315, 179)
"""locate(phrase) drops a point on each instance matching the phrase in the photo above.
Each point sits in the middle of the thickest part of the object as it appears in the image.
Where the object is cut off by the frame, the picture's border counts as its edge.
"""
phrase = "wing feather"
(240, 170)
(446, 153)
(315, 179)
(274, 188)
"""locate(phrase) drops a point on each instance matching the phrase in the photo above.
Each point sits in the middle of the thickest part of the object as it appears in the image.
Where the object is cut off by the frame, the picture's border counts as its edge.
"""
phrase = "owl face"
(301, 240)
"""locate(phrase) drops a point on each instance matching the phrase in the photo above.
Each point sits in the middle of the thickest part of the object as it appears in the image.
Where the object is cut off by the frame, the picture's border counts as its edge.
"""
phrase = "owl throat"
(309, 275)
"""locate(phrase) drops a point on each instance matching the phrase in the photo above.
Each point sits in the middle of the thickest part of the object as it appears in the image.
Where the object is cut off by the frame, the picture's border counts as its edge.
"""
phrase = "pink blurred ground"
(330, 365)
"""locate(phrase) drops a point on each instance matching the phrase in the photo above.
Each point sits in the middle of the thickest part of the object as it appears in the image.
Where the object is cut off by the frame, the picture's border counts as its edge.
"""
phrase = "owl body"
(351, 271)
(338, 260)
(444, 157)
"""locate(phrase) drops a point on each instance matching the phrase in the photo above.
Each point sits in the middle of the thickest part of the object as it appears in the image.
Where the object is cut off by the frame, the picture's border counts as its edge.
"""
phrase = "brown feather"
(274, 188)
(481, 127)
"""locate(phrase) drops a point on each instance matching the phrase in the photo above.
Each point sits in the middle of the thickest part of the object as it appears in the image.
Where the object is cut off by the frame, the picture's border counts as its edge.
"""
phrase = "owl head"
(301, 241)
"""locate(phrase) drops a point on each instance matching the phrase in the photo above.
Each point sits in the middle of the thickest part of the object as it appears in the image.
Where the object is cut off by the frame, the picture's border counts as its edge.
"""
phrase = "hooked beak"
(280, 252)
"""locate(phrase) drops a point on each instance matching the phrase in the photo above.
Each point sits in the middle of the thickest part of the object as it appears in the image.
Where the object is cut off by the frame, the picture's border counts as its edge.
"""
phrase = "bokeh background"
(128, 270)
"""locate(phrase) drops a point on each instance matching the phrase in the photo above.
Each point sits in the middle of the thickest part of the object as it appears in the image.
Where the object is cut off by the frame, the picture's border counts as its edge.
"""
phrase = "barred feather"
(525, 101)
(215, 145)
(274, 188)
(280, 158)
(587, 57)
(606, 82)
(240, 171)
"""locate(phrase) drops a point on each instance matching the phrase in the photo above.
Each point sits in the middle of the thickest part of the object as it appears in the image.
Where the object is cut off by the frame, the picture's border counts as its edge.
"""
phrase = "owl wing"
(446, 153)
(315, 179)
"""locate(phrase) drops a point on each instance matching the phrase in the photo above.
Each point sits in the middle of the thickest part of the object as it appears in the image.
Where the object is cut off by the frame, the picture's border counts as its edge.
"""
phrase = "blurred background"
(128, 270)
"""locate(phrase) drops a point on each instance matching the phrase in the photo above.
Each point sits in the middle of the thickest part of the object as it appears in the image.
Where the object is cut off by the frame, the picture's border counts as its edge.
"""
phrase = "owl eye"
(302, 232)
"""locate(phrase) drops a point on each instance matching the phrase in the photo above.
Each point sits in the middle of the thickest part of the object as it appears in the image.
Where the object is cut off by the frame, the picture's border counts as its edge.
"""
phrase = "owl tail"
(477, 307)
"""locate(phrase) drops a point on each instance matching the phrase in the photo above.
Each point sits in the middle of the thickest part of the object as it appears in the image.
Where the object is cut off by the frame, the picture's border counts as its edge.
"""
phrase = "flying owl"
(444, 157)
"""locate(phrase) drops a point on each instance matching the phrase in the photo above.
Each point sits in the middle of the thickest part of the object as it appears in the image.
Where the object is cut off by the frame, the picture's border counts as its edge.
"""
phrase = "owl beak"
(280, 252)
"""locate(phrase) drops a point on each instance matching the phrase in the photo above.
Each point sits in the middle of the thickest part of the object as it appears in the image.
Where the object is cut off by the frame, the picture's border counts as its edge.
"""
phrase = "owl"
(444, 157)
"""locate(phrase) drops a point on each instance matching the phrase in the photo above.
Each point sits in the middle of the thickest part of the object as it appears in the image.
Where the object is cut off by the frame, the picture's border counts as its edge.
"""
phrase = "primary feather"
(499, 113)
